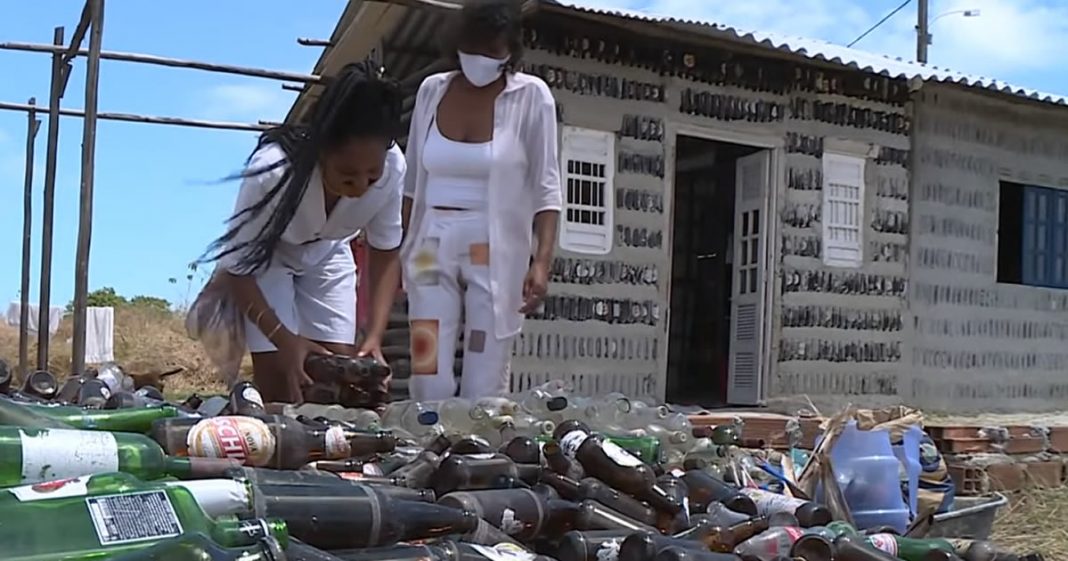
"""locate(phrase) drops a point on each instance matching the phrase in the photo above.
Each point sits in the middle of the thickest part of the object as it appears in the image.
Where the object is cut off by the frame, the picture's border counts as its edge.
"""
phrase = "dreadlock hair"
(485, 21)
(358, 103)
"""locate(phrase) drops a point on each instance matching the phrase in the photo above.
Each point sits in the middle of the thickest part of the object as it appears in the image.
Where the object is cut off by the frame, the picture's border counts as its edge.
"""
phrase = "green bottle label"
(133, 517)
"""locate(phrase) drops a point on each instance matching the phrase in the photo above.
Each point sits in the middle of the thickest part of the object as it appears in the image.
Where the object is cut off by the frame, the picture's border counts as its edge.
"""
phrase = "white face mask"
(480, 70)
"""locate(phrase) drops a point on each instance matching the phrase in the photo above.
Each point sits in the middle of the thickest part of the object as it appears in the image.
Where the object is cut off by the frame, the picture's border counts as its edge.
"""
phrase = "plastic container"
(972, 518)
(908, 453)
(869, 475)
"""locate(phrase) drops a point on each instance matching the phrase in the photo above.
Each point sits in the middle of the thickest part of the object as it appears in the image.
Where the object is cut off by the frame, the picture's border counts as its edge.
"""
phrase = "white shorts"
(318, 304)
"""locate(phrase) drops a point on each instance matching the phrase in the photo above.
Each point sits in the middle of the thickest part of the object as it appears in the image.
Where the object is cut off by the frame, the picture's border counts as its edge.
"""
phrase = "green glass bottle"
(645, 448)
(97, 527)
(118, 420)
(909, 549)
(33, 455)
(198, 547)
(18, 414)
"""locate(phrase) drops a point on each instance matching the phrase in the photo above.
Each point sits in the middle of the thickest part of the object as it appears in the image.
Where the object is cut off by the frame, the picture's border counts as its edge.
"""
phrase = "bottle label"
(571, 441)
(242, 438)
(60, 453)
(337, 446)
(251, 394)
(770, 503)
(134, 517)
(509, 523)
(793, 533)
(619, 455)
(503, 552)
(608, 550)
(57, 489)
(883, 542)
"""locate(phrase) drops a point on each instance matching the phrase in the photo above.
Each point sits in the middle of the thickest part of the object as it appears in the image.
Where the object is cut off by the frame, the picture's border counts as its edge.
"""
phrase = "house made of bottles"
(750, 218)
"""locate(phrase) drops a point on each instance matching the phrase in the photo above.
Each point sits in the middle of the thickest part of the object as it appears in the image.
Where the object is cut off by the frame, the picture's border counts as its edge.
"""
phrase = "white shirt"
(524, 180)
(310, 235)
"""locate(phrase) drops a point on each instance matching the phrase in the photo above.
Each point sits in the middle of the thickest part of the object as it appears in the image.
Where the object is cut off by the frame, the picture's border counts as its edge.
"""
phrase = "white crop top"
(457, 173)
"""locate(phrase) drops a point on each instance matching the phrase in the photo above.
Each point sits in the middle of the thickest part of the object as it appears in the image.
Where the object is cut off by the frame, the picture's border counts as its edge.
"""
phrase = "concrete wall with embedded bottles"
(980, 344)
(838, 334)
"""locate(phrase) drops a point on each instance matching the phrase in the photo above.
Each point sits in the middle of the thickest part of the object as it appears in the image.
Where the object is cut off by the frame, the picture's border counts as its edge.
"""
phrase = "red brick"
(1007, 477)
(1045, 474)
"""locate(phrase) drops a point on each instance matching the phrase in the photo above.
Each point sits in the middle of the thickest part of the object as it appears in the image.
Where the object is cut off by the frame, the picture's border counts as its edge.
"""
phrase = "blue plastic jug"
(869, 475)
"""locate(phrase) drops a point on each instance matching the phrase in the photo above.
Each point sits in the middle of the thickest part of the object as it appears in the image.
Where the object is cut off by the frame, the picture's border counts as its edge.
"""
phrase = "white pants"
(319, 303)
(448, 281)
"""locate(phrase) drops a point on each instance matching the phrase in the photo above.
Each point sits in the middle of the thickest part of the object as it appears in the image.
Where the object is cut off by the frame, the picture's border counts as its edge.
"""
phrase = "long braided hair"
(358, 103)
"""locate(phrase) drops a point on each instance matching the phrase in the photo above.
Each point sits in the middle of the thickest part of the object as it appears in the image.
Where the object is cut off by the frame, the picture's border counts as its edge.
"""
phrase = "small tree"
(151, 303)
(101, 298)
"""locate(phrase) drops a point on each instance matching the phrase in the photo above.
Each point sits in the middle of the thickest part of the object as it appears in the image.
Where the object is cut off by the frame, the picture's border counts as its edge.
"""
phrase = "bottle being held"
(807, 512)
(615, 466)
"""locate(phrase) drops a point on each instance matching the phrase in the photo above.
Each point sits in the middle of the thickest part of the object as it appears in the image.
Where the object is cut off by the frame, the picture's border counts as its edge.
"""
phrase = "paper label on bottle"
(337, 446)
(571, 441)
(56, 489)
(509, 523)
(793, 533)
(619, 455)
(251, 394)
(883, 542)
(60, 453)
(133, 517)
(770, 503)
(608, 550)
(503, 552)
(246, 439)
(677, 472)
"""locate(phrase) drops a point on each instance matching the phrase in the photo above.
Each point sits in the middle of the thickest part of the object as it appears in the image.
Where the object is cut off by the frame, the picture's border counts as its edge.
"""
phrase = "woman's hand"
(535, 286)
(293, 350)
(372, 345)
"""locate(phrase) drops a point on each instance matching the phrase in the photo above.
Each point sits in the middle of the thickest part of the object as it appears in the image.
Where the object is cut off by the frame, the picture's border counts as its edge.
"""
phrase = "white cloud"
(1011, 39)
(246, 102)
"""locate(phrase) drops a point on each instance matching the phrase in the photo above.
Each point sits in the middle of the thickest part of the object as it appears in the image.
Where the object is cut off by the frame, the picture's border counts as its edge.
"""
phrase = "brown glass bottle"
(593, 489)
(813, 547)
(606, 461)
(592, 545)
(345, 370)
(725, 539)
(676, 489)
(441, 550)
(471, 445)
(521, 449)
(266, 440)
(68, 392)
(592, 515)
(245, 399)
(459, 472)
(675, 553)
(560, 463)
(521, 513)
(854, 548)
(418, 472)
(358, 516)
(41, 385)
(643, 546)
(808, 513)
(704, 488)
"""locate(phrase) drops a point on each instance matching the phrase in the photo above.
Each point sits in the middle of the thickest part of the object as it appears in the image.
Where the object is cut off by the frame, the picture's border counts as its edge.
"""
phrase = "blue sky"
(156, 208)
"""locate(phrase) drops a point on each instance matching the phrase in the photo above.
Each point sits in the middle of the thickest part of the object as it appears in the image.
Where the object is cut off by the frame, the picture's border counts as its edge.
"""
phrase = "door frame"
(773, 197)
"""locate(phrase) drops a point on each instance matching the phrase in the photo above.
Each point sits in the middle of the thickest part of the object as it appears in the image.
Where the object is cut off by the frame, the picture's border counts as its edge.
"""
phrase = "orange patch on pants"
(424, 335)
(480, 254)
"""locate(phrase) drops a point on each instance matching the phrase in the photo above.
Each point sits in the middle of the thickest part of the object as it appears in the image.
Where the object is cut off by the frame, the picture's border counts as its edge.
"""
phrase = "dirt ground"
(148, 339)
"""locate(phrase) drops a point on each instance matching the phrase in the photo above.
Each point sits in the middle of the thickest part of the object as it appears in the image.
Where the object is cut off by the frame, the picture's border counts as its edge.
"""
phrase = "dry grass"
(1033, 521)
(145, 339)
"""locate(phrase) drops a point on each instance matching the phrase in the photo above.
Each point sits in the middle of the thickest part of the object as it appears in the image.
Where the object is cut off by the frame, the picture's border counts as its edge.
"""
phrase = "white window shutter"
(587, 169)
(843, 210)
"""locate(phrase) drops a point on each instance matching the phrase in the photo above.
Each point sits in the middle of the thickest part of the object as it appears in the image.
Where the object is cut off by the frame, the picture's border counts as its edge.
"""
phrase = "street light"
(973, 13)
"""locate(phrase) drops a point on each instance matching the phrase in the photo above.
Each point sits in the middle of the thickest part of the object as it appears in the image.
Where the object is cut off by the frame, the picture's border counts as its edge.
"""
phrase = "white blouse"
(524, 180)
(311, 235)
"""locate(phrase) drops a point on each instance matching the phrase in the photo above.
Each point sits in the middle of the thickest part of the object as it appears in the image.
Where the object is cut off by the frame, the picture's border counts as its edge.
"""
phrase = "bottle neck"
(229, 532)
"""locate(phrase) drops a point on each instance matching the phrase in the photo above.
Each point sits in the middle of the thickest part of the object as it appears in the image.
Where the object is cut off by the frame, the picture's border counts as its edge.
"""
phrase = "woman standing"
(308, 190)
(484, 176)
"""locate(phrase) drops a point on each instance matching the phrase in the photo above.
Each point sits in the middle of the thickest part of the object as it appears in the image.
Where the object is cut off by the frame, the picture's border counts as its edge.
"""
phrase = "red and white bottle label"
(337, 446)
(884, 542)
(57, 489)
(246, 439)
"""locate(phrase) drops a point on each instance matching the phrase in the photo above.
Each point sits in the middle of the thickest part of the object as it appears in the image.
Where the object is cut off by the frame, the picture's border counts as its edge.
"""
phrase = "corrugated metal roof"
(824, 51)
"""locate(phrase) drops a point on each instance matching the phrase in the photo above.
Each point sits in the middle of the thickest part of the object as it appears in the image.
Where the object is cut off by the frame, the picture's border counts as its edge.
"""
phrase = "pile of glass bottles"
(103, 467)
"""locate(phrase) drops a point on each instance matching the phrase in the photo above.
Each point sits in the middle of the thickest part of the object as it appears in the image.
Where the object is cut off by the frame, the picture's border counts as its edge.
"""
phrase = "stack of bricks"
(1012, 458)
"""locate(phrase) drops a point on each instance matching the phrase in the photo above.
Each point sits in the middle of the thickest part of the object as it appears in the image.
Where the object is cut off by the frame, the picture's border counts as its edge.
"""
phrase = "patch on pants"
(424, 335)
(425, 269)
(480, 254)
(476, 341)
